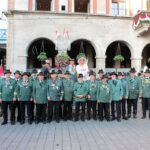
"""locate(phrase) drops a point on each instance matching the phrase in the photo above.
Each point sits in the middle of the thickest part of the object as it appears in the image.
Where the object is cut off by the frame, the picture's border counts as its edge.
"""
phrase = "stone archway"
(37, 46)
(111, 52)
(146, 55)
(88, 49)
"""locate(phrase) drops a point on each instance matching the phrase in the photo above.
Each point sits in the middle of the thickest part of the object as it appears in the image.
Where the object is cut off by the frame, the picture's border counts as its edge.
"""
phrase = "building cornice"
(84, 15)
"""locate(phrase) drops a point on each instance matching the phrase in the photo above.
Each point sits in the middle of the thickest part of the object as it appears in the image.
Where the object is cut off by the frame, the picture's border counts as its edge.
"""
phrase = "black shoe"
(12, 122)
(101, 119)
(129, 115)
(113, 118)
(36, 122)
(22, 122)
(82, 119)
(88, 118)
(29, 122)
(118, 120)
(57, 121)
(134, 116)
(44, 122)
(4, 122)
(94, 118)
(108, 120)
(143, 117)
(70, 118)
(125, 118)
(76, 119)
(49, 121)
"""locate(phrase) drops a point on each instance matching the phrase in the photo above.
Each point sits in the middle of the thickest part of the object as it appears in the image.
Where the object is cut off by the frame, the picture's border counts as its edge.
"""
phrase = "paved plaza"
(133, 134)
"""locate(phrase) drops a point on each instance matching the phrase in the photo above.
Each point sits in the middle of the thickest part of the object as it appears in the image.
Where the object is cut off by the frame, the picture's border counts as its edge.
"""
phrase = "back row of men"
(107, 90)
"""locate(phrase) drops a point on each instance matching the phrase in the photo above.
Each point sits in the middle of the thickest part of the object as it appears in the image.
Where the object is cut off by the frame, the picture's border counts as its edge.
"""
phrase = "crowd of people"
(50, 95)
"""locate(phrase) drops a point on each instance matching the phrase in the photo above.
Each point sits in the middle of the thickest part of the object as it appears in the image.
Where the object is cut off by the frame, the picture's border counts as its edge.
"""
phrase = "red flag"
(1, 71)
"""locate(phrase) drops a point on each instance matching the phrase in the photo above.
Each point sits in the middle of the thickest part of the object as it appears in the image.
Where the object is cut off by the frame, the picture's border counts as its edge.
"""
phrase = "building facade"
(103, 28)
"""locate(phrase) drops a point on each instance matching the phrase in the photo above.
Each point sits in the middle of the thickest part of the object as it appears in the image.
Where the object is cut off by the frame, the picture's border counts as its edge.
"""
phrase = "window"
(118, 7)
(63, 7)
(114, 9)
(43, 5)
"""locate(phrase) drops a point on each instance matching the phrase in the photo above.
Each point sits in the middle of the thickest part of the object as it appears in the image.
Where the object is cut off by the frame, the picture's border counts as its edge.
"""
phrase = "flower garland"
(61, 61)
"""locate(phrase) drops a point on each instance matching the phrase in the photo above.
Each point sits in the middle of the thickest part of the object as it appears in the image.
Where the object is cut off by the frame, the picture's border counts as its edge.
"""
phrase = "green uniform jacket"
(80, 89)
(40, 92)
(99, 80)
(68, 89)
(32, 79)
(24, 92)
(134, 85)
(125, 88)
(116, 89)
(17, 81)
(146, 87)
(8, 92)
(104, 92)
(55, 90)
(92, 89)
(72, 76)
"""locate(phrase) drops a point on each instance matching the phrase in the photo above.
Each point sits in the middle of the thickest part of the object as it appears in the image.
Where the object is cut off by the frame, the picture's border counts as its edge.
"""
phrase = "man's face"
(17, 76)
(34, 74)
(92, 77)
(67, 76)
(80, 79)
(100, 75)
(120, 77)
(104, 80)
(41, 77)
(7, 75)
(25, 77)
(53, 76)
(113, 76)
(147, 74)
(72, 62)
(82, 61)
(60, 75)
(132, 74)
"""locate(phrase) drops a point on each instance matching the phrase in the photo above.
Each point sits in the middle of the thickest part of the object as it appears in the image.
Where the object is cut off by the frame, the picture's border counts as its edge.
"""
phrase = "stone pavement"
(133, 134)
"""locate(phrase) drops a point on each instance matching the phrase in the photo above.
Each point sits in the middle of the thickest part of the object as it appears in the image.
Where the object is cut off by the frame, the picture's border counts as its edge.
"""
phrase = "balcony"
(141, 23)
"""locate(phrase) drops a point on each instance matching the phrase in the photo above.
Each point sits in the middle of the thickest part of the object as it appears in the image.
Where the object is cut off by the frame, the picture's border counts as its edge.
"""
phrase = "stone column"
(95, 6)
(107, 6)
(136, 63)
(56, 5)
(91, 6)
(70, 5)
(30, 4)
(100, 63)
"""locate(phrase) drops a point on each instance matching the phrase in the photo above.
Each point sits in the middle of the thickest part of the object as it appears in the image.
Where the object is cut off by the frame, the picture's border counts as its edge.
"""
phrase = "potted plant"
(119, 58)
(42, 56)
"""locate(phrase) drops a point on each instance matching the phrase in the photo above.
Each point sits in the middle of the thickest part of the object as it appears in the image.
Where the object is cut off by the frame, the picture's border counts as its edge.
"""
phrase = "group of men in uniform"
(54, 96)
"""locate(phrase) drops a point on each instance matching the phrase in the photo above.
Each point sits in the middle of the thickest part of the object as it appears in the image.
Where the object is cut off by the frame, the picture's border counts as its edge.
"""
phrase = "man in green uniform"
(32, 79)
(135, 91)
(40, 98)
(54, 96)
(92, 96)
(68, 96)
(104, 97)
(117, 93)
(80, 92)
(8, 96)
(24, 95)
(146, 93)
(121, 77)
(17, 103)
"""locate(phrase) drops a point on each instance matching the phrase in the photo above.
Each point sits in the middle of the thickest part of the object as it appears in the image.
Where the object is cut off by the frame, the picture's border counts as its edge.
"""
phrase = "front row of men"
(108, 90)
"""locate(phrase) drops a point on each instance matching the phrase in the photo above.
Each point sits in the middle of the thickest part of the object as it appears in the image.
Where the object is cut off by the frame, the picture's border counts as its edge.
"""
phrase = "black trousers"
(91, 105)
(22, 108)
(53, 107)
(60, 109)
(145, 101)
(17, 106)
(104, 107)
(40, 112)
(131, 102)
(67, 111)
(32, 110)
(118, 109)
(5, 110)
(123, 104)
(77, 110)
